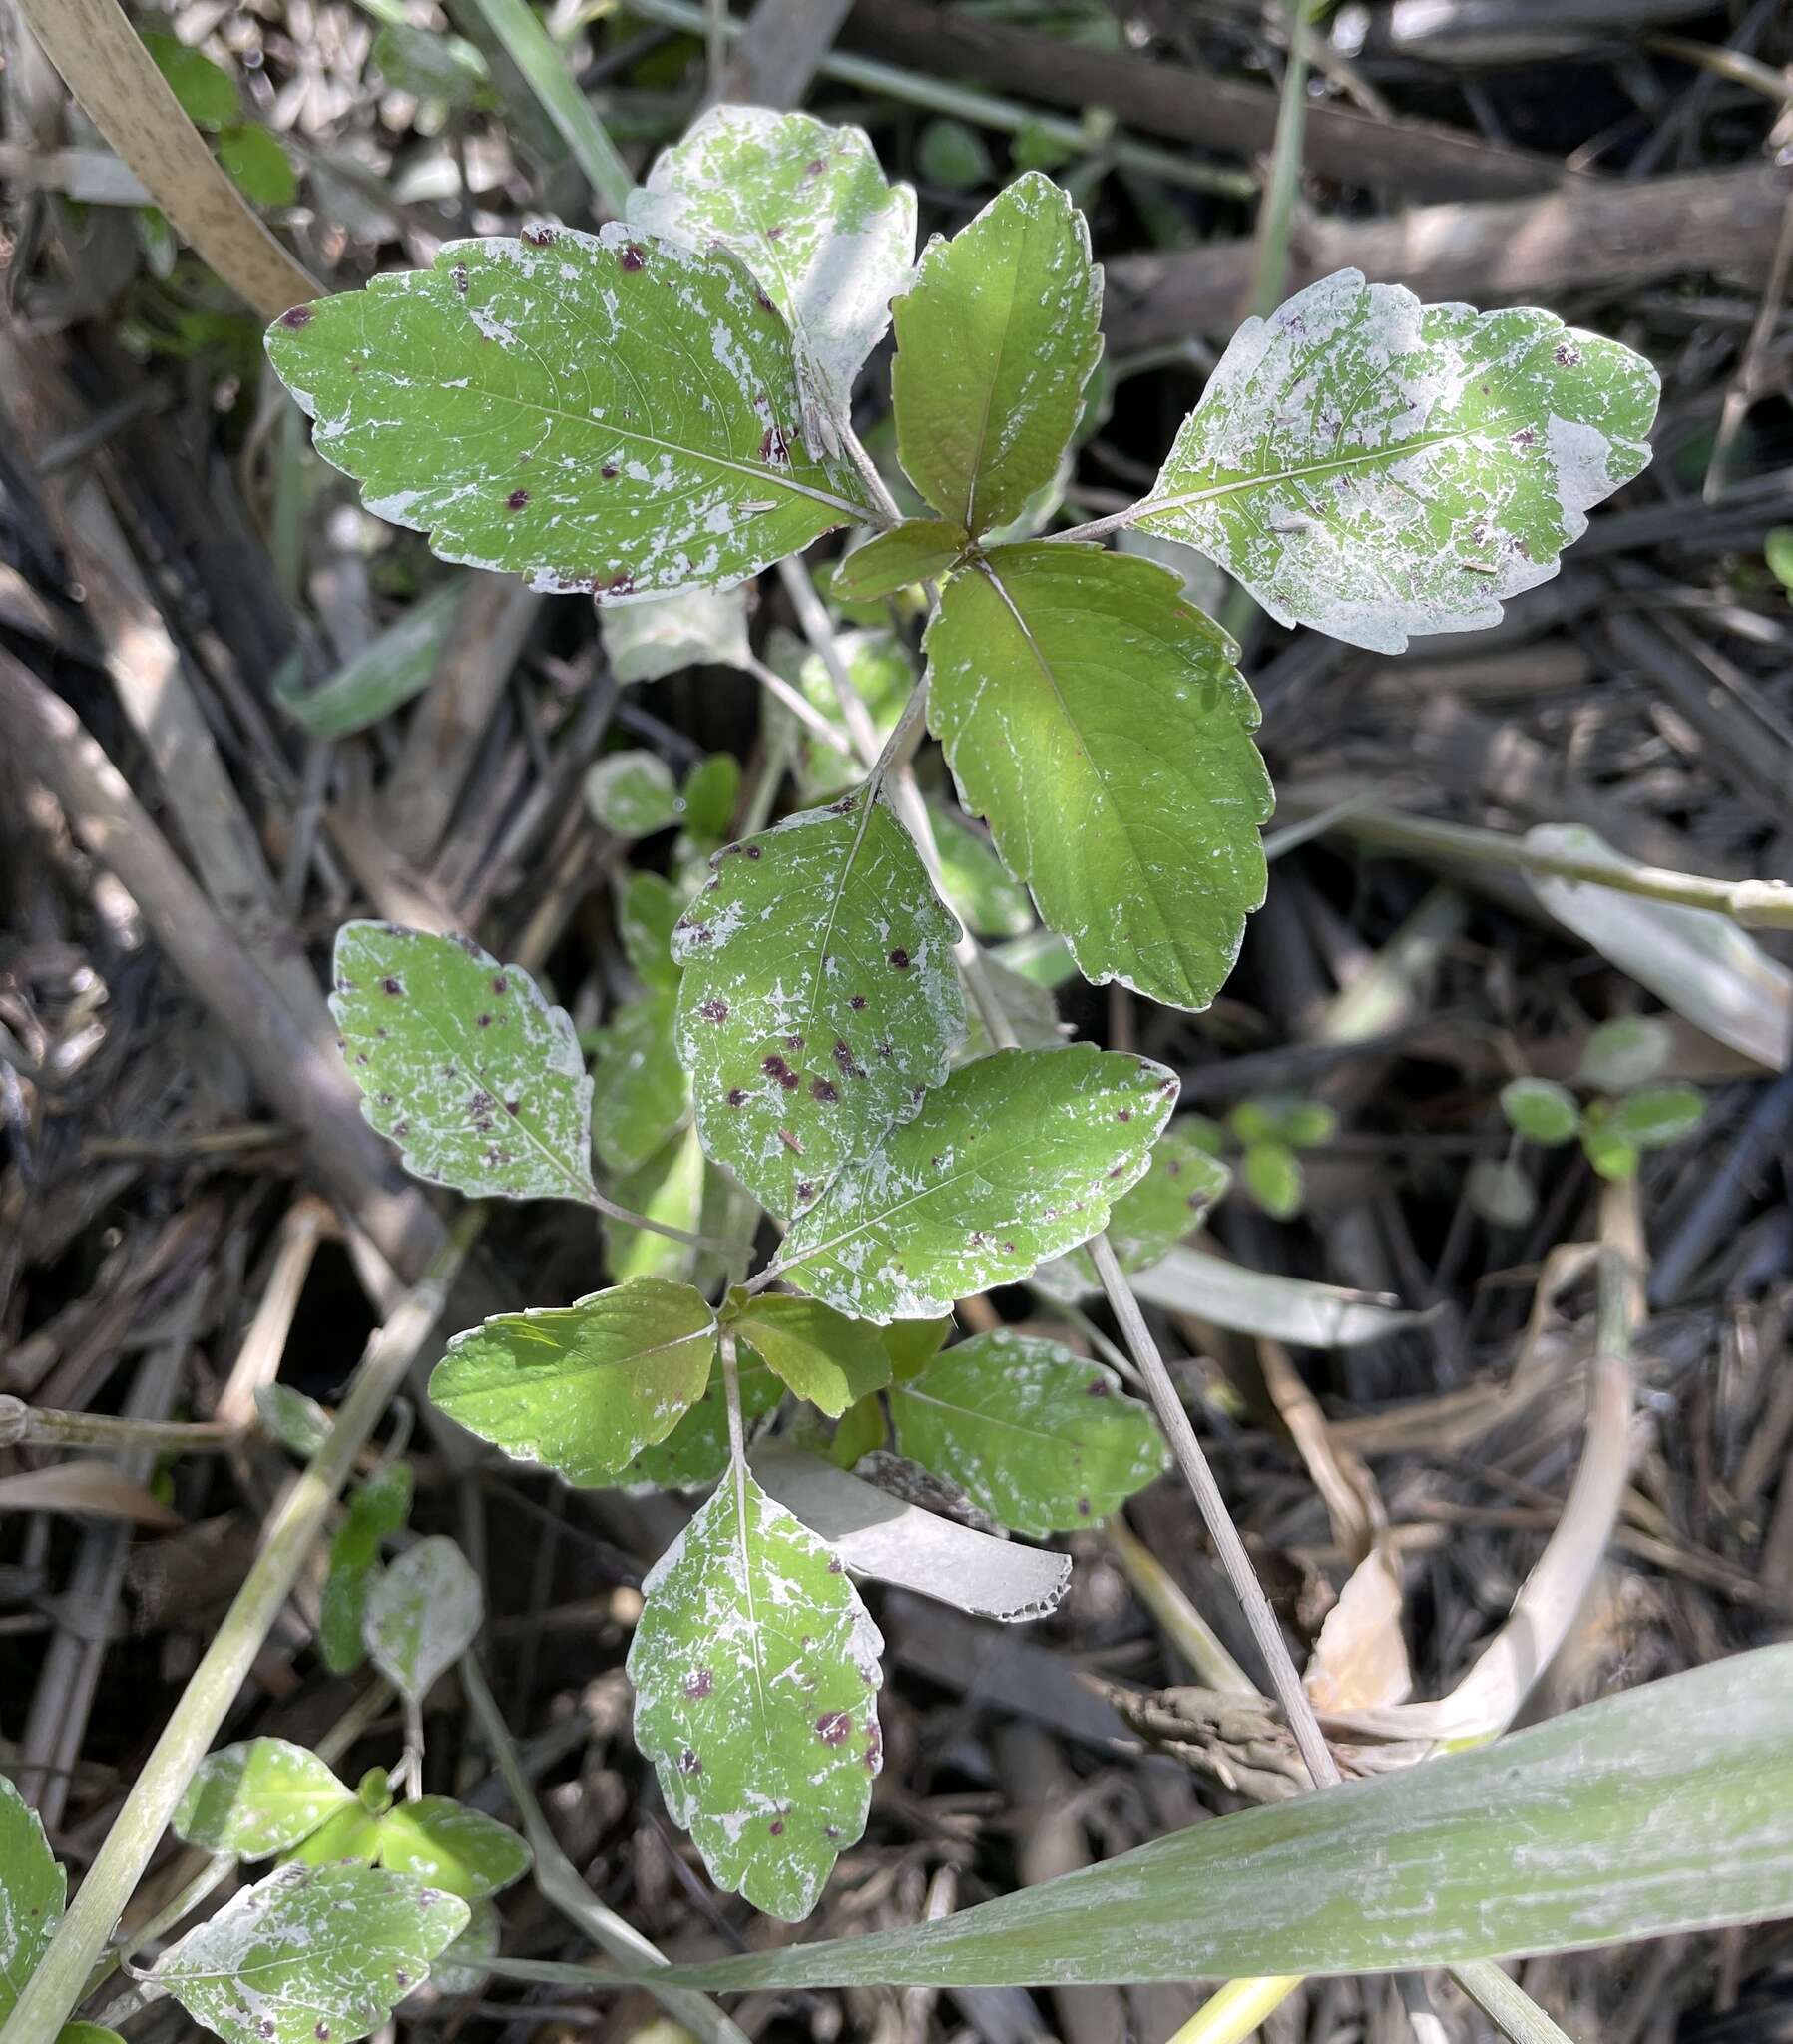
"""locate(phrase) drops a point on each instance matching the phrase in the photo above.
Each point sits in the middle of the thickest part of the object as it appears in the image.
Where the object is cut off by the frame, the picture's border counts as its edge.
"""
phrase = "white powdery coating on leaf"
(1017, 1158)
(606, 415)
(422, 1615)
(1378, 468)
(757, 1670)
(805, 206)
(256, 1797)
(819, 998)
(32, 1886)
(645, 642)
(463, 1064)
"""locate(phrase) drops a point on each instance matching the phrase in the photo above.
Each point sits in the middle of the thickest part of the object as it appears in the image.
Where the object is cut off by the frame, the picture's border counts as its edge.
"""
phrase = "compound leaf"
(1377, 467)
(819, 997)
(1042, 1440)
(806, 208)
(1096, 718)
(611, 415)
(257, 1797)
(755, 1669)
(451, 1847)
(1183, 1181)
(995, 343)
(463, 1064)
(914, 551)
(32, 1889)
(1017, 1158)
(583, 1387)
(309, 1953)
(422, 1615)
(819, 1353)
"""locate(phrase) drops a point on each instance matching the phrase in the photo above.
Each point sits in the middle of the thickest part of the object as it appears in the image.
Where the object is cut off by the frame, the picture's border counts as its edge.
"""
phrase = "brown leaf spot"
(715, 1009)
(774, 446)
(500, 984)
(737, 1097)
(900, 959)
(774, 1067)
(698, 1683)
(805, 1193)
(790, 1142)
(634, 255)
(1567, 355)
(394, 987)
(1525, 437)
(300, 316)
(539, 235)
(485, 1021)
(459, 273)
(857, 1003)
(1125, 1114)
(776, 1828)
(1096, 1387)
(825, 1090)
(609, 473)
(1082, 1507)
(516, 500)
(690, 1763)
(794, 1043)
(833, 1728)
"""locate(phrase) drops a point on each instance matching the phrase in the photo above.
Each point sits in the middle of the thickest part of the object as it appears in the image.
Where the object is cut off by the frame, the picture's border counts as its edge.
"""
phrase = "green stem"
(1231, 2013)
(31, 1427)
(1276, 216)
(1506, 2003)
(52, 1991)
(528, 45)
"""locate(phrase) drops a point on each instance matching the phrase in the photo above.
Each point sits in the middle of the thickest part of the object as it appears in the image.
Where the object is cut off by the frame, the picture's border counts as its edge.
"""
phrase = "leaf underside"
(1377, 469)
(756, 1674)
(615, 416)
(1097, 719)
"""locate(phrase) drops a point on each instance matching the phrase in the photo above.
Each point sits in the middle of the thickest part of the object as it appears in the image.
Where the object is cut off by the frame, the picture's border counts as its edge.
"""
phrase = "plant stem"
(1232, 2013)
(35, 1427)
(528, 45)
(52, 1991)
(1276, 216)
(1506, 2003)
(558, 1879)
(731, 1393)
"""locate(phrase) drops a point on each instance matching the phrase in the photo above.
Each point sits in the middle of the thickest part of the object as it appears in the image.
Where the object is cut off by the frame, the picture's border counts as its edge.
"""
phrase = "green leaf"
(463, 1064)
(32, 1889)
(995, 343)
(1183, 1181)
(1028, 1007)
(977, 883)
(711, 791)
(86, 2033)
(1017, 1158)
(206, 92)
(632, 793)
(1626, 1052)
(1283, 1118)
(1613, 1154)
(1098, 722)
(1271, 1173)
(861, 1429)
(386, 673)
(311, 1953)
(819, 997)
(422, 1615)
(377, 1510)
(695, 1453)
(647, 909)
(300, 1424)
(1498, 1190)
(669, 1189)
(1777, 551)
(1656, 1116)
(257, 1797)
(1541, 1111)
(913, 1345)
(1630, 1811)
(640, 1098)
(645, 642)
(819, 1353)
(1042, 1440)
(755, 1669)
(918, 550)
(806, 208)
(374, 1792)
(462, 1969)
(453, 1848)
(585, 1387)
(441, 69)
(258, 165)
(353, 1833)
(1377, 467)
(948, 153)
(613, 415)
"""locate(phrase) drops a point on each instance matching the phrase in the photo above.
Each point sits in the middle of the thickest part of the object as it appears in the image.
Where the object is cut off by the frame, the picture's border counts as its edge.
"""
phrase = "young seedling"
(666, 408)
(1629, 1114)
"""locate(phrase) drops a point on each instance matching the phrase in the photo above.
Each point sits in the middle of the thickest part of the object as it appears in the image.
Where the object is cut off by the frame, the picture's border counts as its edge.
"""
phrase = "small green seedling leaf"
(1098, 722)
(453, 1848)
(374, 1792)
(707, 800)
(422, 1615)
(1042, 1440)
(1629, 1051)
(916, 551)
(206, 92)
(995, 343)
(612, 414)
(695, 1453)
(300, 1424)
(1656, 1116)
(755, 1669)
(350, 1834)
(1283, 1118)
(1541, 1111)
(883, 673)
(632, 793)
(818, 1354)
(647, 909)
(583, 1389)
(311, 1955)
(1377, 469)
(32, 1889)
(259, 167)
(819, 997)
(640, 1098)
(977, 884)
(1612, 1154)
(948, 153)
(1182, 1183)
(385, 674)
(806, 208)
(258, 1798)
(645, 642)
(463, 1064)
(377, 1510)
(1017, 1158)
(1271, 1173)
